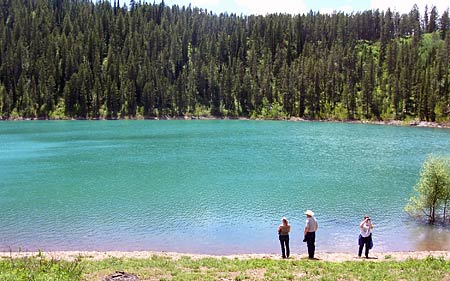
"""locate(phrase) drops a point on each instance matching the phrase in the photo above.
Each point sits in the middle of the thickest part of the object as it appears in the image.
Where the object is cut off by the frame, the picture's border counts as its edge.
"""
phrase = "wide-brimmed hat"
(309, 213)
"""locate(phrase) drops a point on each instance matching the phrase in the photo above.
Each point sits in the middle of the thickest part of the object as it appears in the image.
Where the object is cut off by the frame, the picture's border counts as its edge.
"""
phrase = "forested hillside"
(83, 59)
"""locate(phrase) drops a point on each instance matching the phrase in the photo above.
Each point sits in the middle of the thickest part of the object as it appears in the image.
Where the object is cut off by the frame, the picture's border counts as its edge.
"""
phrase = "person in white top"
(310, 232)
(365, 236)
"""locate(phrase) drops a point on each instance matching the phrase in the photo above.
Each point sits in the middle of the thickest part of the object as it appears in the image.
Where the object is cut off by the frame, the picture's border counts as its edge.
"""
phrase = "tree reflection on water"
(431, 237)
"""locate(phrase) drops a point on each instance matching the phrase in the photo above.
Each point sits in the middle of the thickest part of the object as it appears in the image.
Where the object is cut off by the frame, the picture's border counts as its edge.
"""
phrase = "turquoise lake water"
(214, 187)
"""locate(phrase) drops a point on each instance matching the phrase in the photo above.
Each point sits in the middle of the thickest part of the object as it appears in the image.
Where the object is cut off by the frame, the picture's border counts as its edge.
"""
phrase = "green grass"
(186, 268)
(39, 268)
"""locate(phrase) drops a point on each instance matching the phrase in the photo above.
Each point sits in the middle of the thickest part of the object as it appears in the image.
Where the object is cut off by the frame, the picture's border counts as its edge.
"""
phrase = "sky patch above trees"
(258, 7)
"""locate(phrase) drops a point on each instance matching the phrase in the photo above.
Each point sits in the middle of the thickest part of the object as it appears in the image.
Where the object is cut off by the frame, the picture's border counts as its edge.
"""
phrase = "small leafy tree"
(432, 190)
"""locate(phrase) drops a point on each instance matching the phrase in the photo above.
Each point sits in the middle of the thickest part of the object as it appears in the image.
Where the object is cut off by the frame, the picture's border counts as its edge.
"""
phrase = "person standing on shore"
(365, 236)
(310, 233)
(283, 235)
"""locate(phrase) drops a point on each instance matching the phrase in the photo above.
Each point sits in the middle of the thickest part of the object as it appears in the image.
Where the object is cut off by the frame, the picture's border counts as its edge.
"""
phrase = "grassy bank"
(188, 268)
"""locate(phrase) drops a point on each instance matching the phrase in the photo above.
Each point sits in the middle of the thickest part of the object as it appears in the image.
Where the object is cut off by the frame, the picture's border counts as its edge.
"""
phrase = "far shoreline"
(321, 256)
(398, 123)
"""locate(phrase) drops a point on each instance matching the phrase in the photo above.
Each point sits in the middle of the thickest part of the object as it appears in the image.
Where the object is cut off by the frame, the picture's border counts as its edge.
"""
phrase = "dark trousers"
(284, 242)
(364, 241)
(310, 242)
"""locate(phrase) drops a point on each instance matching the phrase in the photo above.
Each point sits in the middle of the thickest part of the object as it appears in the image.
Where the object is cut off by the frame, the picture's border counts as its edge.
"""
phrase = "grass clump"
(39, 268)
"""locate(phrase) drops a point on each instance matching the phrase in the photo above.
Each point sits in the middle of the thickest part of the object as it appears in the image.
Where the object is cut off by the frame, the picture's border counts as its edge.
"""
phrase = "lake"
(212, 187)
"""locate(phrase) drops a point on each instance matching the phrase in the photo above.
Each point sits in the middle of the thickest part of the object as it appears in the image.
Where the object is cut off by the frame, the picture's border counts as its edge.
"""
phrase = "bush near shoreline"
(163, 266)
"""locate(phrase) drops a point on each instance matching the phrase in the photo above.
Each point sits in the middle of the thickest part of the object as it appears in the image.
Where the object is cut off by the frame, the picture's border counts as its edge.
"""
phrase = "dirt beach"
(321, 256)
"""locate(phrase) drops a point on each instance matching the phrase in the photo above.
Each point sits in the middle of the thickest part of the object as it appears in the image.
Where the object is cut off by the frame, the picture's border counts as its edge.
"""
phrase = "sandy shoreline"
(322, 256)
(399, 123)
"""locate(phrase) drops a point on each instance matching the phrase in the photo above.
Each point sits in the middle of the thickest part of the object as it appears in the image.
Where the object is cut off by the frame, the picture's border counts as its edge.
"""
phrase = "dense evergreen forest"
(84, 59)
